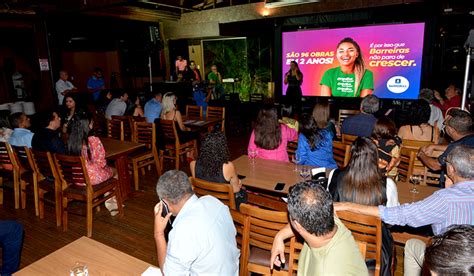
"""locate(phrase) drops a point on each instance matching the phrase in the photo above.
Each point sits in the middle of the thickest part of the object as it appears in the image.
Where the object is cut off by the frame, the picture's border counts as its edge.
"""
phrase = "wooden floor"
(132, 233)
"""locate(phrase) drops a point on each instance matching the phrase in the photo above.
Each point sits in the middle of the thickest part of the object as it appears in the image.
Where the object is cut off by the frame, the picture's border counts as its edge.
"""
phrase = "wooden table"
(405, 196)
(99, 258)
(118, 151)
(204, 125)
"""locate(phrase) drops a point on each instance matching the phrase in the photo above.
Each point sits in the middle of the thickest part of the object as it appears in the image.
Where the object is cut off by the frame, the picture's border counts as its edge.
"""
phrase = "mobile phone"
(241, 176)
(279, 186)
(165, 210)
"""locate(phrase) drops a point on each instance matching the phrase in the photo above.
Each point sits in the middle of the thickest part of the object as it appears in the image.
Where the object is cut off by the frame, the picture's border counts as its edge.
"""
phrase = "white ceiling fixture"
(284, 3)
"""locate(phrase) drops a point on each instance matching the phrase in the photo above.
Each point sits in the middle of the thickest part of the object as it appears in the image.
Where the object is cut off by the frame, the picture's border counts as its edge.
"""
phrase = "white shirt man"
(63, 86)
(202, 241)
(117, 107)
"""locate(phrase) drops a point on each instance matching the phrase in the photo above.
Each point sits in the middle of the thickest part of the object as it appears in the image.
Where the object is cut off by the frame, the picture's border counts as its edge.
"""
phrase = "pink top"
(181, 65)
(96, 164)
(280, 153)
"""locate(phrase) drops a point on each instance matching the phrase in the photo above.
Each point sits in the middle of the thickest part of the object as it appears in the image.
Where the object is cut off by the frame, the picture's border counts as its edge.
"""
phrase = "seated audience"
(452, 205)
(436, 115)
(170, 112)
(419, 128)
(329, 247)
(5, 129)
(321, 113)
(362, 181)
(452, 98)
(452, 253)
(270, 138)
(117, 106)
(82, 142)
(388, 143)
(202, 240)
(134, 108)
(314, 144)
(21, 135)
(287, 117)
(213, 164)
(153, 107)
(71, 114)
(458, 125)
(363, 123)
(11, 242)
(47, 138)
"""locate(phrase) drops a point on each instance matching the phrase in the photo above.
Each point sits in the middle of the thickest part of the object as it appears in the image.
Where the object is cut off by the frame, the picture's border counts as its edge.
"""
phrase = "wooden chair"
(144, 133)
(291, 148)
(48, 182)
(407, 163)
(27, 175)
(362, 248)
(173, 148)
(127, 126)
(414, 144)
(348, 139)
(9, 167)
(194, 112)
(344, 113)
(100, 125)
(216, 112)
(221, 191)
(258, 240)
(241, 223)
(76, 186)
(115, 130)
(341, 153)
(433, 177)
(366, 229)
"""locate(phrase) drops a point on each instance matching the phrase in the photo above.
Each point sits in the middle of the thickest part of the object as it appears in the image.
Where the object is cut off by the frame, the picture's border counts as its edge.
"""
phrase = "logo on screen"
(398, 84)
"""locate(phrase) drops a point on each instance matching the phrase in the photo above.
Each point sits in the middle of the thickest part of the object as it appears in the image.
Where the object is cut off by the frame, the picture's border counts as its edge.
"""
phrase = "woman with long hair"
(388, 143)
(418, 128)
(270, 138)
(294, 79)
(314, 144)
(213, 164)
(361, 181)
(83, 143)
(351, 78)
(71, 114)
(321, 113)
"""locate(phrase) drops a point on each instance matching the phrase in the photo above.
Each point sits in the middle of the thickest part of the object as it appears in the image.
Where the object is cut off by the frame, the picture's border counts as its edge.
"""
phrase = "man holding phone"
(202, 241)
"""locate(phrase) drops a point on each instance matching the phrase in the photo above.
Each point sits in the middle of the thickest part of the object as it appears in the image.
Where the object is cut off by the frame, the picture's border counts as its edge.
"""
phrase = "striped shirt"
(453, 205)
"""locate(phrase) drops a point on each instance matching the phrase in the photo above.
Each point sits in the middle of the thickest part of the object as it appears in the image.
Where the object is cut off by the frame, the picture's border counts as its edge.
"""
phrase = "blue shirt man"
(95, 84)
(21, 135)
(201, 99)
(152, 108)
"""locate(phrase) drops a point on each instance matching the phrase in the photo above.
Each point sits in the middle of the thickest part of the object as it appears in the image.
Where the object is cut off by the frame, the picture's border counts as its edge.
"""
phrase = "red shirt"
(448, 103)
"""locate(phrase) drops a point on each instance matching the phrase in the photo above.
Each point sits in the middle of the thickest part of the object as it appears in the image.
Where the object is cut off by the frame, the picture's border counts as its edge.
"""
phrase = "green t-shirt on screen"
(342, 85)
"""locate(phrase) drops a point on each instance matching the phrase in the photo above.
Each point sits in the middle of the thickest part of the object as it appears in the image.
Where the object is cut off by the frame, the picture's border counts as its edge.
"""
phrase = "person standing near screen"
(351, 78)
(294, 79)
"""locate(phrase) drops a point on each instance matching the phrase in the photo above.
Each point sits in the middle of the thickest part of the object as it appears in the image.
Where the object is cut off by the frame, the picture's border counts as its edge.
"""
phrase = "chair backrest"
(341, 153)
(216, 112)
(144, 133)
(344, 113)
(362, 248)
(100, 125)
(6, 155)
(348, 139)
(115, 129)
(138, 119)
(24, 158)
(194, 112)
(127, 126)
(169, 131)
(291, 149)
(366, 229)
(240, 222)
(263, 226)
(72, 171)
(44, 163)
(415, 144)
(221, 191)
(407, 163)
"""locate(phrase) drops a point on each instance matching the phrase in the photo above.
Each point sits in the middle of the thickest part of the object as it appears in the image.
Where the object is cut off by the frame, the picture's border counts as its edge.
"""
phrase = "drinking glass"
(415, 179)
(296, 160)
(252, 155)
(305, 172)
(79, 269)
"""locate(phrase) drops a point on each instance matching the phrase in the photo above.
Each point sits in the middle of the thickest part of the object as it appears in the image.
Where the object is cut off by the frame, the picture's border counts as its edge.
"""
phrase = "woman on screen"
(294, 79)
(351, 78)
